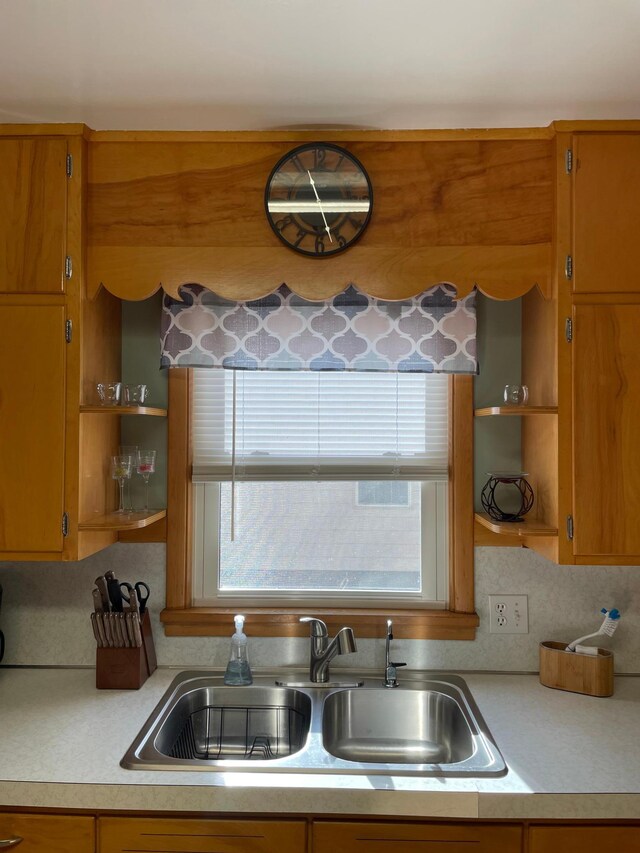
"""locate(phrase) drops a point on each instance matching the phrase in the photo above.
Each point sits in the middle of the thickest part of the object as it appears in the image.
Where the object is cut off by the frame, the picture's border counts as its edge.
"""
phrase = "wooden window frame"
(459, 622)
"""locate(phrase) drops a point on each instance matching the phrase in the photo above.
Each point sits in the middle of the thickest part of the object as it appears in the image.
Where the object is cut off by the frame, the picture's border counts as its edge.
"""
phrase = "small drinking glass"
(146, 466)
(109, 393)
(135, 395)
(121, 471)
(130, 450)
(516, 395)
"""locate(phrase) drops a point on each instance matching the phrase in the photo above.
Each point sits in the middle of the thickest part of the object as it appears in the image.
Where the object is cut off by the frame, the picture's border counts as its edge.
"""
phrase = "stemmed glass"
(130, 450)
(146, 466)
(121, 471)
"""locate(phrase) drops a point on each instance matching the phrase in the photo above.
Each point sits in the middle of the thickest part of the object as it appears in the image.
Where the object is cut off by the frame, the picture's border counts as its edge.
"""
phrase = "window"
(182, 618)
(320, 487)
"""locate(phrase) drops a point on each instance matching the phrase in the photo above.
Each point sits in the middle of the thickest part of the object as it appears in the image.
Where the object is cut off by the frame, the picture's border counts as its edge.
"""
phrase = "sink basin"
(429, 726)
(205, 722)
(395, 726)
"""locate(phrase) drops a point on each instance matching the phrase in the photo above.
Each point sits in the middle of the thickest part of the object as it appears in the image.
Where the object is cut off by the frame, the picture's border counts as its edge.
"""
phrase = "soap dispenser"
(238, 669)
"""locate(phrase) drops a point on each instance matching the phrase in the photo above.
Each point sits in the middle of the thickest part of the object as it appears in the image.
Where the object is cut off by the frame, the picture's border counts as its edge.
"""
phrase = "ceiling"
(260, 64)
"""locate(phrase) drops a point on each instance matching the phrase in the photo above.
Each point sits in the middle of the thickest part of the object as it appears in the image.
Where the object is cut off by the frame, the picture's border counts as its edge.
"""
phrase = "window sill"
(283, 622)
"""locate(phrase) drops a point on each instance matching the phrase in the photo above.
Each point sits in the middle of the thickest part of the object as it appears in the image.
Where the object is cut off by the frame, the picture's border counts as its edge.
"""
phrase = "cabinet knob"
(10, 842)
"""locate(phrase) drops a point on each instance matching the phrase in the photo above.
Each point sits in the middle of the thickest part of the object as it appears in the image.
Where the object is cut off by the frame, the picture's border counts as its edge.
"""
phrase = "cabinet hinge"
(568, 329)
(65, 524)
(569, 527)
(68, 267)
(568, 161)
(68, 331)
(568, 267)
(69, 165)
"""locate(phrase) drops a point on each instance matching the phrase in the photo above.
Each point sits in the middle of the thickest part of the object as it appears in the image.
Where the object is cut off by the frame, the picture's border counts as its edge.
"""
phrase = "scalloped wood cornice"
(500, 272)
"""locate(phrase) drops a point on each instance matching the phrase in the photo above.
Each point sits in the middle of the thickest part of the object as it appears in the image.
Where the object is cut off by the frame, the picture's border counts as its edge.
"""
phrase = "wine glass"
(146, 466)
(121, 471)
(130, 450)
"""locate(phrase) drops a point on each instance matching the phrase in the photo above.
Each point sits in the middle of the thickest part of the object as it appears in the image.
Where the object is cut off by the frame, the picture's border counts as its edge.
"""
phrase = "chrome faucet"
(390, 667)
(323, 651)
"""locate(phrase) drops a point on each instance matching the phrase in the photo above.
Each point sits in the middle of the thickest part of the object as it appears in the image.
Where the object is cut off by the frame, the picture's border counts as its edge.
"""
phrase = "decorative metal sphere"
(518, 484)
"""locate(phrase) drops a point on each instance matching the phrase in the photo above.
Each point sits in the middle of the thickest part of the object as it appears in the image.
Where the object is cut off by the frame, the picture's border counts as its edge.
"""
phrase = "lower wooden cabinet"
(584, 839)
(166, 835)
(365, 837)
(47, 833)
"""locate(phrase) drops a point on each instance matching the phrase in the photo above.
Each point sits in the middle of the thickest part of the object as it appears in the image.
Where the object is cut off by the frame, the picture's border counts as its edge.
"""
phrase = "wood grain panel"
(361, 837)
(470, 212)
(32, 427)
(48, 833)
(584, 839)
(163, 835)
(425, 194)
(606, 210)
(33, 210)
(606, 376)
(502, 272)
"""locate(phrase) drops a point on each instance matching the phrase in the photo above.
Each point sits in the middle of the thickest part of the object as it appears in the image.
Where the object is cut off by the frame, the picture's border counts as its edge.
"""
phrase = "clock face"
(319, 199)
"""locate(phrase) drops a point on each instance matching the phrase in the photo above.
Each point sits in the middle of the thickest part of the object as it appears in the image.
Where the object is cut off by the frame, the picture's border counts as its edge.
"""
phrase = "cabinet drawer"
(584, 839)
(165, 835)
(48, 833)
(351, 837)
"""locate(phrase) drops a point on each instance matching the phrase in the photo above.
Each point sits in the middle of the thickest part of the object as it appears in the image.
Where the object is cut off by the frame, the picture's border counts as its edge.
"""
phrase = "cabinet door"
(606, 211)
(48, 833)
(32, 421)
(606, 415)
(166, 835)
(33, 214)
(356, 837)
(584, 839)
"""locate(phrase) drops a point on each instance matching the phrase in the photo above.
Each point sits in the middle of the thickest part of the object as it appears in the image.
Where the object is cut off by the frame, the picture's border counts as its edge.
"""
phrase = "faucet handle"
(317, 627)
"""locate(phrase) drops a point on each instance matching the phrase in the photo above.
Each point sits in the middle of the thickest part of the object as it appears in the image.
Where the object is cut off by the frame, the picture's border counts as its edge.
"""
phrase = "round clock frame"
(318, 195)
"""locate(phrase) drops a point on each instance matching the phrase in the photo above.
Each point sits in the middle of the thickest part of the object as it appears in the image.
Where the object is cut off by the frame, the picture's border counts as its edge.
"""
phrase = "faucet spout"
(323, 650)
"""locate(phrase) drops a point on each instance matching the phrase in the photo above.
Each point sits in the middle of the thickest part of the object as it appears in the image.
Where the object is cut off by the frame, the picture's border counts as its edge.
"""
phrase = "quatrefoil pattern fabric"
(429, 333)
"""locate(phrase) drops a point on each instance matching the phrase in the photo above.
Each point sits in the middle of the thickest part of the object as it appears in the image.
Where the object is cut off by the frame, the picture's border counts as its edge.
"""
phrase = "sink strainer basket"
(243, 734)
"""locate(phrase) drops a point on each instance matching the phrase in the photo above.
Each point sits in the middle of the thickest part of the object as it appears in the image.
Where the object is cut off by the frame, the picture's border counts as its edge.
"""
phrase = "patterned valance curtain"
(428, 333)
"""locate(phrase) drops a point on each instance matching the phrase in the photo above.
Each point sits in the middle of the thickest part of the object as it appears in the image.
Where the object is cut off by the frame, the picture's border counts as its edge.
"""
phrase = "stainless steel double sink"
(428, 726)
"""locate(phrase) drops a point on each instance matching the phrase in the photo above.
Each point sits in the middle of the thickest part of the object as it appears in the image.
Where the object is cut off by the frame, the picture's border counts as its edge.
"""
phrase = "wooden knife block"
(127, 669)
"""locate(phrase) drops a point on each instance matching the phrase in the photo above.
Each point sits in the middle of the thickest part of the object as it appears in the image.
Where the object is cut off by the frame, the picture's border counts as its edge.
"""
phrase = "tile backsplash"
(45, 615)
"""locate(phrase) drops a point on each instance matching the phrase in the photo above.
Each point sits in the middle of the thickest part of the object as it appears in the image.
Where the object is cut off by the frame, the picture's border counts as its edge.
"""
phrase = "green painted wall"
(497, 440)
(141, 364)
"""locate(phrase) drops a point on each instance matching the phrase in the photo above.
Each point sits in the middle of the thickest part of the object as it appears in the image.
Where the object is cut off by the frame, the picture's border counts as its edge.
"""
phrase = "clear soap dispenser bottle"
(238, 669)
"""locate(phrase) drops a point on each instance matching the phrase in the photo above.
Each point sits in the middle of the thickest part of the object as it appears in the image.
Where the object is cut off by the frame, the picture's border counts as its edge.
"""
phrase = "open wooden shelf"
(124, 410)
(516, 528)
(516, 410)
(123, 521)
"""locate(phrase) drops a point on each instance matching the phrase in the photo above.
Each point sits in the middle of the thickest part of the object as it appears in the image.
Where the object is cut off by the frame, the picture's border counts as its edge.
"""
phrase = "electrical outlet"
(508, 614)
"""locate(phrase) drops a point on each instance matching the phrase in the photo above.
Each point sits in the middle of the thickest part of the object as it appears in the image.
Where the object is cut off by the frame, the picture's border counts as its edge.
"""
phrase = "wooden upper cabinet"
(606, 380)
(32, 429)
(606, 213)
(33, 214)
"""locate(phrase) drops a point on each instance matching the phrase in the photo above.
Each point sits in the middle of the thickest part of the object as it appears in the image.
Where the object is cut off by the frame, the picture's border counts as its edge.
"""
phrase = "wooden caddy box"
(563, 670)
(127, 669)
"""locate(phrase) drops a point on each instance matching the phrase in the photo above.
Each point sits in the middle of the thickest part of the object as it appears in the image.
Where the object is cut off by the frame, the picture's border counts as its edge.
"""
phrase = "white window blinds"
(289, 425)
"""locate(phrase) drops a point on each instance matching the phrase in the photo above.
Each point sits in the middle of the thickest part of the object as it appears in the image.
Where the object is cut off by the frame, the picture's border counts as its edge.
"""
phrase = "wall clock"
(319, 199)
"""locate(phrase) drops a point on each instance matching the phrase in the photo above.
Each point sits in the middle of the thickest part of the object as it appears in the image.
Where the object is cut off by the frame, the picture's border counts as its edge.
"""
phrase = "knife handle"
(101, 583)
(94, 625)
(135, 619)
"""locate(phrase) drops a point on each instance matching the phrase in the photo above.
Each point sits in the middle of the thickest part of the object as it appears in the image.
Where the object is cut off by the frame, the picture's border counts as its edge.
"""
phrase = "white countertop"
(569, 756)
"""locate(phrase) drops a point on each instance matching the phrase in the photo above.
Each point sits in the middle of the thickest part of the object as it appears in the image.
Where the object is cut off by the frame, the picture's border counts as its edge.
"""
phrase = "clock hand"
(326, 224)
